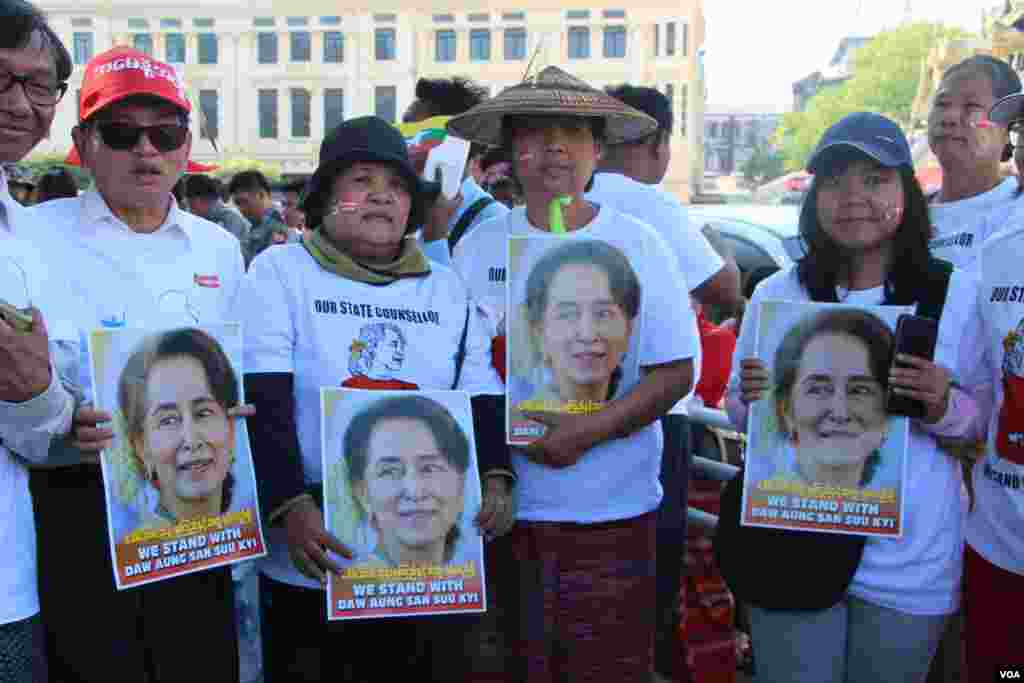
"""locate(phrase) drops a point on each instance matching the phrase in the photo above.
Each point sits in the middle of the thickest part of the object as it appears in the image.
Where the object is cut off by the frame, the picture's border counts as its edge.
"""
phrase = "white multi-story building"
(271, 77)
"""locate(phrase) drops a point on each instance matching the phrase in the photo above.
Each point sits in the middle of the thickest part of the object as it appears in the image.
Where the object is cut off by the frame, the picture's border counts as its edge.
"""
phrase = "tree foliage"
(763, 165)
(230, 167)
(886, 75)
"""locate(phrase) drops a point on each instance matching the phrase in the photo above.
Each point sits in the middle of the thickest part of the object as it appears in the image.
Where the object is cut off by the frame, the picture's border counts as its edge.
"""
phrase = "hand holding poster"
(401, 488)
(179, 481)
(574, 307)
(822, 454)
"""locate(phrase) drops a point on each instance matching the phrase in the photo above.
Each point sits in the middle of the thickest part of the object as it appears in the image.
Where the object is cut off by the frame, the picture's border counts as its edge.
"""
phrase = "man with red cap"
(135, 259)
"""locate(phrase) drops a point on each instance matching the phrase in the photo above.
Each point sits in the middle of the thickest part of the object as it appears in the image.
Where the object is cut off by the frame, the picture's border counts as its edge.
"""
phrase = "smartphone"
(915, 336)
(18, 319)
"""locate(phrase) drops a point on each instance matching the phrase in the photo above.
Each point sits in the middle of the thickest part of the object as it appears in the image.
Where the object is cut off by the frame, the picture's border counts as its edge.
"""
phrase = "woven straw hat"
(552, 92)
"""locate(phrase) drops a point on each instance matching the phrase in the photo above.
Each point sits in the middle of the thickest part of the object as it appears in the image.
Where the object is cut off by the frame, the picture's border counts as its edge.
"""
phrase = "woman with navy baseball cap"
(832, 608)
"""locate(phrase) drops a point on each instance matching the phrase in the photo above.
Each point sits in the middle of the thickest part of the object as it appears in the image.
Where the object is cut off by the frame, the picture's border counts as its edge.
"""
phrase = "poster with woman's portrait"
(822, 453)
(573, 327)
(402, 490)
(179, 479)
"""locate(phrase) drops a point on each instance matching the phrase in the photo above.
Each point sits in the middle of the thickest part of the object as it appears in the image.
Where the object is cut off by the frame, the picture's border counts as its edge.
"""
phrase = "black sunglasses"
(166, 137)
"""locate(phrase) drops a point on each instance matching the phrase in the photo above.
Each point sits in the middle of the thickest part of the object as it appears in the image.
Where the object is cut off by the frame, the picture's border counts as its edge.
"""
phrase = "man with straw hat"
(588, 488)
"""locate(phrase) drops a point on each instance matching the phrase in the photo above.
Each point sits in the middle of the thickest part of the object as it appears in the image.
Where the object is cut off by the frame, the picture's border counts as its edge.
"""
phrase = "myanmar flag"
(423, 136)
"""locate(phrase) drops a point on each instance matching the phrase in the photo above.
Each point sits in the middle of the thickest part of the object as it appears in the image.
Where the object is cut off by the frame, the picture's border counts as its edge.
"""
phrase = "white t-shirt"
(962, 227)
(27, 278)
(995, 528)
(617, 479)
(697, 259)
(920, 572)
(189, 270)
(329, 331)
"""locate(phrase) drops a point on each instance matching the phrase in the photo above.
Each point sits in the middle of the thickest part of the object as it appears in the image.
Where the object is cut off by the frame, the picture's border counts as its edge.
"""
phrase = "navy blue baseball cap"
(870, 134)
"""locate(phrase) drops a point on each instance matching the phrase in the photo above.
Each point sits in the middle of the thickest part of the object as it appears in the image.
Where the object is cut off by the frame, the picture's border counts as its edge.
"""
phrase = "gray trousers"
(852, 642)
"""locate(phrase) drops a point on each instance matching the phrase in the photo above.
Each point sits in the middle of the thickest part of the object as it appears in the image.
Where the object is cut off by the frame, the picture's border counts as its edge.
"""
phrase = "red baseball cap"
(125, 72)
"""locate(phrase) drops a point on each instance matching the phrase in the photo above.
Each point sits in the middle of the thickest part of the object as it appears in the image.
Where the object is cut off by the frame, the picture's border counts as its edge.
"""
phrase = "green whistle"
(555, 219)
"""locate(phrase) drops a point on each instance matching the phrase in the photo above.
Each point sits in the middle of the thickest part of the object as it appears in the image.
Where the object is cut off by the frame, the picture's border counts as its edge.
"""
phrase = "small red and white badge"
(212, 281)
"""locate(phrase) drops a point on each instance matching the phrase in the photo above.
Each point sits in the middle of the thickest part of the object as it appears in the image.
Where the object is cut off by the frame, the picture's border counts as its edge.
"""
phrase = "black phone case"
(915, 336)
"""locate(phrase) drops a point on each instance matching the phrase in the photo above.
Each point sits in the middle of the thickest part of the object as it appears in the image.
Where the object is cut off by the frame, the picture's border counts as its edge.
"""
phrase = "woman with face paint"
(357, 304)
(865, 224)
(976, 195)
(994, 534)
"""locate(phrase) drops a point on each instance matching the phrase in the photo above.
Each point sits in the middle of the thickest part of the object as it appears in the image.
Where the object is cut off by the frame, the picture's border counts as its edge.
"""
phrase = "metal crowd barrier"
(710, 469)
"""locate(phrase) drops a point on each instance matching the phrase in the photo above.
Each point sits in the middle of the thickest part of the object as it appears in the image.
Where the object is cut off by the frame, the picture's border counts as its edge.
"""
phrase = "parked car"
(758, 234)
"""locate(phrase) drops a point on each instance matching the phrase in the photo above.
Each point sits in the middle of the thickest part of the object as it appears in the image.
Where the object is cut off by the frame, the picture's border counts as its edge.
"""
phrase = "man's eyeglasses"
(38, 90)
(166, 137)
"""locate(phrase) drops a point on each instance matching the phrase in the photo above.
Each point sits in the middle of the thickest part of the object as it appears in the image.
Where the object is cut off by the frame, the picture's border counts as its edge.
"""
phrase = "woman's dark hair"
(825, 260)
(57, 183)
(21, 20)
(190, 342)
(650, 101)
(866, 327)
(513, 123)
(450, 438)
(622, 279)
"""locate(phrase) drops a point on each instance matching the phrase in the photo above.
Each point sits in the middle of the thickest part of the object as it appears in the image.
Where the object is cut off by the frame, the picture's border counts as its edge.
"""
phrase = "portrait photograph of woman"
(401, 487)
(180, 468)
(822, 446)
(574, 309)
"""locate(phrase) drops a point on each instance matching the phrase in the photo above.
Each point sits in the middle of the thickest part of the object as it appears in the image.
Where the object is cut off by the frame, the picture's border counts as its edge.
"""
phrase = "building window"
(263, 22)
(301, 43)
(170, 23)
(297, 21)
(138, 23)
(385, 102)
(300, 113)
(480, 45)
(514, 16)
(670, 38)
(175, 48)
(515, 43)
(208, 110)
(657, 40)
(444, 18)
(203, 23)
(143, 42)
(579, 42)
(713, 130)
(479, 18)
(207, 48)
(615, 42)
(268, 113)
(334, 47)
(614, 14)
(683, 94)
(330, 21)
(334, 108)
(266, 48)
(685, 40)
(384, 43)
(83, 48)
(444, 46)
(577, 14)
(670, 93)
(384, 18)
(81, 22)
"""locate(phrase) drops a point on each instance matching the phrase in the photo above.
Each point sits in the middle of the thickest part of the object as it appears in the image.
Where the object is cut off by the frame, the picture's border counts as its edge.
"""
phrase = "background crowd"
(584, 528)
